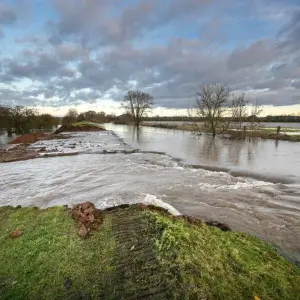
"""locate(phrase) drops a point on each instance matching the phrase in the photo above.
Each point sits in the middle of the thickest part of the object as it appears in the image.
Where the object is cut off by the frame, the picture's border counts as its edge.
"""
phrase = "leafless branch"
(136, 103)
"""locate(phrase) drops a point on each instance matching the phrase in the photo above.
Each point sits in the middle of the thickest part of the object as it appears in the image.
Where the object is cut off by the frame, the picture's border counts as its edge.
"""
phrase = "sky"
(58, 54)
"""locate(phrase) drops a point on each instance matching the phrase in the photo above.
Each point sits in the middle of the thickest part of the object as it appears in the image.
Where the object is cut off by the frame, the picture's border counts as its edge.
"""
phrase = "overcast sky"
(57, 54)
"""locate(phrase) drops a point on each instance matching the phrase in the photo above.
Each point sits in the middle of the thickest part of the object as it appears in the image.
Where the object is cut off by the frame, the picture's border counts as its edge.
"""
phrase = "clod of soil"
(34, 137)
(17, 233)
(88, 217)
(27, 138)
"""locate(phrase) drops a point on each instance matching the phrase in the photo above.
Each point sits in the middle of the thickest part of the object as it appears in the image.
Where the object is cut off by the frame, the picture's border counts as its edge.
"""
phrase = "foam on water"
(153, 200)
(271, 211)
(83, 142)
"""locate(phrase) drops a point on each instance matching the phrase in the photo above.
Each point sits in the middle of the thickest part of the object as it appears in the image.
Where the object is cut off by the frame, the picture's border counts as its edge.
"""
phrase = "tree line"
(23, 119)
(215, 104)
(73, 116)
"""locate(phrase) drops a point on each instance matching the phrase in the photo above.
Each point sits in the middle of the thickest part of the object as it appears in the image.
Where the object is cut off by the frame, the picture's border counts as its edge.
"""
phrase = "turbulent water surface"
(252, 186)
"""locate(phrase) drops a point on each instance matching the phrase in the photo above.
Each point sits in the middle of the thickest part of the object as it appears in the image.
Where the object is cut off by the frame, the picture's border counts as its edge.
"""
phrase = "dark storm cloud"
(97, 49)
(16, 97)
(272, 84)
(257, 54)
(7, 14)
(290, 33)
(67, 72)
(94, 21)
(44, 66)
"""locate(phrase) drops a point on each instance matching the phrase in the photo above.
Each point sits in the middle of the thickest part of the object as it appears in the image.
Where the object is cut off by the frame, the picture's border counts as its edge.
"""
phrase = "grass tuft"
(203, 262)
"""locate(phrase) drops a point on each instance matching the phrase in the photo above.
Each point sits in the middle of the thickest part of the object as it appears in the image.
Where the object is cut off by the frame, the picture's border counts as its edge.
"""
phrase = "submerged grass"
(49, 261)
(264, 133)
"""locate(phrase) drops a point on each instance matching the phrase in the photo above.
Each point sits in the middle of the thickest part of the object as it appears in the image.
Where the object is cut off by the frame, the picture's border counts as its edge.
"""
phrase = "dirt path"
(16, 154)
(138, 273)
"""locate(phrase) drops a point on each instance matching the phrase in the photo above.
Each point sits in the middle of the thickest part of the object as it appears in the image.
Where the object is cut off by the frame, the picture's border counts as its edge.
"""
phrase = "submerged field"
(136, 253)
(286, 133)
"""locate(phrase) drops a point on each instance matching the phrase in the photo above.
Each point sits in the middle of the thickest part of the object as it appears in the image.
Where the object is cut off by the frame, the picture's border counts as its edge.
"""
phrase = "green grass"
(196, 262)
(204, 262)
(86, 123)
(37, 264)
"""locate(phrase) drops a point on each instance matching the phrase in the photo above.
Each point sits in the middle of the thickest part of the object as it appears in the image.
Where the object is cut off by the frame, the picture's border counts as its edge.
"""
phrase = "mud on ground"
(31, 138)
(17, 153)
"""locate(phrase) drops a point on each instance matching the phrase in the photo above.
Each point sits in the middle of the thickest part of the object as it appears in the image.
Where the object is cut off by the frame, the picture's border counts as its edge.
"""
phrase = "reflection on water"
(278, 161)
(5, 138)
(293, 125)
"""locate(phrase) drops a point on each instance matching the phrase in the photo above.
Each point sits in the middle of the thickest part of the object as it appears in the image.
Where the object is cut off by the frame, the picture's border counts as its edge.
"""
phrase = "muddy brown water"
(254, 186)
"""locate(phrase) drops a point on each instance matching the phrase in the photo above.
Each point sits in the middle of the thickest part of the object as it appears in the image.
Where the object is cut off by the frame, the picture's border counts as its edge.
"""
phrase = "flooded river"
(254, 186)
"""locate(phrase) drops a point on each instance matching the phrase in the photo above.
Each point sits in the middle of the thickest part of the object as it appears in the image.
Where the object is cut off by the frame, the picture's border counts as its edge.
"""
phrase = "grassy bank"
(38, 264)
(136, 252)
(207, 263)
(264, 133)
(87, 124)
(80, 126)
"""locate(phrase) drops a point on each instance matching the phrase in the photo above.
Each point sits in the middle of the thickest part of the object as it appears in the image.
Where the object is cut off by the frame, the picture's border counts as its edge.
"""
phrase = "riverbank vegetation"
(183, 118)
(22, 119)
(220, 107)
(73, 116)
(135, 252)
(285, 134)
(80, 126)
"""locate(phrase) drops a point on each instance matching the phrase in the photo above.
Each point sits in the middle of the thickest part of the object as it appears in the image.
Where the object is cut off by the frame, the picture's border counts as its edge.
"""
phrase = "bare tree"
(3, 110)
(5, 120)
(256, 110)
(212, 103)
(20, 116)
(70, 117)
(46, 121)
(239, 108)
(136, 103)
(90, 116)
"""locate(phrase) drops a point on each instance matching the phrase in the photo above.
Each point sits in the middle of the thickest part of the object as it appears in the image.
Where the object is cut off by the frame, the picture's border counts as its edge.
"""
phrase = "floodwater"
(252, 186)
(271, 160)
(293, 125)
(4, 138)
